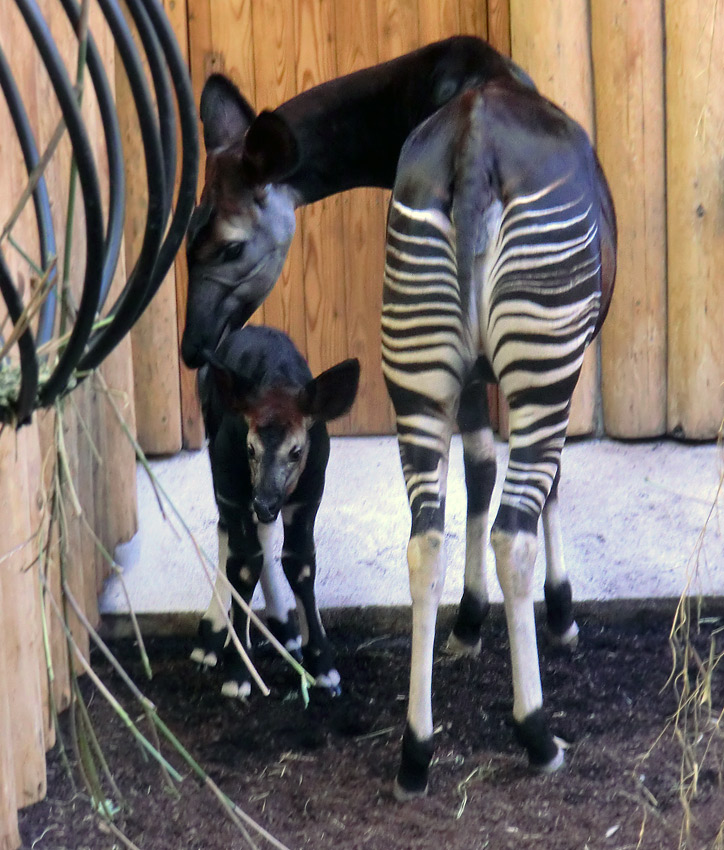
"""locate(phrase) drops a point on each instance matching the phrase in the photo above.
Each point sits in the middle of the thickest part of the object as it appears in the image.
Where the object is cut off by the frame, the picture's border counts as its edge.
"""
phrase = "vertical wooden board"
(20, 631)
(551, 41)
(116, 483)
(276, 82)
(438, 19)
(499, 25)
(695, 207)
(154, 339)
(9, 835)
(363, 216)
(474, 17)
(398, 27)
(628, 50)
(192, 426)
(46, 420)
(322, 235)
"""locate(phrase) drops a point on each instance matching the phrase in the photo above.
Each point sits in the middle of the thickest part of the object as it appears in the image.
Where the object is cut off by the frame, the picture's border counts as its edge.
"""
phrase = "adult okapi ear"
(225, 113)
(331, 394)
(271, 150)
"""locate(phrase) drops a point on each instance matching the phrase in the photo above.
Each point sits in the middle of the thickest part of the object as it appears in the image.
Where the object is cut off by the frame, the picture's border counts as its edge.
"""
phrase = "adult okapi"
(500, 262)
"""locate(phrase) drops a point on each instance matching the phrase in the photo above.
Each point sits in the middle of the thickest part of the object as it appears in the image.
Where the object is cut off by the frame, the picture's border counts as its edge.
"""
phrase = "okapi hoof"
(460, 649)
(287, 634)
(411, 781)
(234, 689)
(210, 644)
(567, 640)
(465, 639)
(545, 751)
(329, 682)
(561, 628)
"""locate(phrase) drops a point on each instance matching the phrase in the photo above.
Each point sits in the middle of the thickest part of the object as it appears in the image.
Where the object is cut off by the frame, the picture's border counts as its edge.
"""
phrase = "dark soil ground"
(321, 777)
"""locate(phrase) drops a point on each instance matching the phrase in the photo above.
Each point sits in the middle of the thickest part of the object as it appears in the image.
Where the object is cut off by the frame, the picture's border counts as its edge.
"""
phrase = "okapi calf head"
(240, 233)
(262, 378)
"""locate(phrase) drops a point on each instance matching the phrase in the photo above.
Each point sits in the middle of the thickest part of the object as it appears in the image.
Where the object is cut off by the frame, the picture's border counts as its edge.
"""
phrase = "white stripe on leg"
(271, 585)
(515, 558)
(555, 563)
(219, 605)
(426, 562)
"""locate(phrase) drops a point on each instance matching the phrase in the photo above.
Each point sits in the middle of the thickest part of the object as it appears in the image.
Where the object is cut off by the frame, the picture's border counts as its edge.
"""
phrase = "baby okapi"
(268, 444)
(500, 265)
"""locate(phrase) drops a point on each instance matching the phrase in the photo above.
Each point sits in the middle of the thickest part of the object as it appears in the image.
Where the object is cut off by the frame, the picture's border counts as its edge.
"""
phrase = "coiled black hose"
(86, 348)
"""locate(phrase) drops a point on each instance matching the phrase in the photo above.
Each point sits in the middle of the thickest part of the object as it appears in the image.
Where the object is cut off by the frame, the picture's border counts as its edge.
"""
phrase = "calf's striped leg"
(480, 466)
(213, 632)
(243, 567)
(300, 568)
(278, 617)
(562, 628)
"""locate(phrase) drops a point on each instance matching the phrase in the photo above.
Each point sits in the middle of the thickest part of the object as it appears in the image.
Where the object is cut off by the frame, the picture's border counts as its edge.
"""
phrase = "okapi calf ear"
(331, 394)
(237, 395)
(225, 113)
(271, 150)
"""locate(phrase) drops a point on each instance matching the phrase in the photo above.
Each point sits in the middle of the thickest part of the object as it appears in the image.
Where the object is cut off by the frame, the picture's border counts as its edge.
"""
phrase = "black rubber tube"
(109, 337)
(114, 154)
(164, 96)
(91, 200)
(141, 278)
(41, 202)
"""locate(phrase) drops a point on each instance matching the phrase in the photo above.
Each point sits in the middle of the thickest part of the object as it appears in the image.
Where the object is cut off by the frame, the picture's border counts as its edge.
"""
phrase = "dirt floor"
(321, 777)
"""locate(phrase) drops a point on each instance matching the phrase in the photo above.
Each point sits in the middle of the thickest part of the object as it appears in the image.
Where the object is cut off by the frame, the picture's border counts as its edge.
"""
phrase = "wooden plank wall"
(658, 367)
(100, 459)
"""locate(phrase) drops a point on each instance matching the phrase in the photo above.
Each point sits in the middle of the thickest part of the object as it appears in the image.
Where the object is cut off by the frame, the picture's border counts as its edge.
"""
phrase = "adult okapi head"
(263, 380)
(241, 230)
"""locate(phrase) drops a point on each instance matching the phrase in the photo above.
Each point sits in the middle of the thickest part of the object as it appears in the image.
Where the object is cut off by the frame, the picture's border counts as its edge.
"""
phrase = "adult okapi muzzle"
(240, 232)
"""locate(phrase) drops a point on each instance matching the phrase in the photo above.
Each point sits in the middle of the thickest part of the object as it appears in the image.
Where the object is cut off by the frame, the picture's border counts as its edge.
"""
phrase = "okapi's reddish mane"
(277, 406)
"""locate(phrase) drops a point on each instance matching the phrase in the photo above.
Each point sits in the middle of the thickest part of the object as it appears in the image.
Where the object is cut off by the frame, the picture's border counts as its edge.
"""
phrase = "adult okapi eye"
(231, 251)
(251, 451)
(295, 453)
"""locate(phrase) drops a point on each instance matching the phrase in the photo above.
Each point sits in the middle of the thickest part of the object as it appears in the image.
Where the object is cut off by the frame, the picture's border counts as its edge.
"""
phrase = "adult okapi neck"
(349, 131)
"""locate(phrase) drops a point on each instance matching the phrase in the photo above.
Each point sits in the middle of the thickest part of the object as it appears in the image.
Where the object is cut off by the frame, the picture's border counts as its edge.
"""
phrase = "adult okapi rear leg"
(480, 467)
(562, 629)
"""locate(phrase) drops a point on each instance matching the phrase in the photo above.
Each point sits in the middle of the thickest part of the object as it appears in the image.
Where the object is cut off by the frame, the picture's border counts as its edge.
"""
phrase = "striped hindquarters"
(541, 299)
(425, 356)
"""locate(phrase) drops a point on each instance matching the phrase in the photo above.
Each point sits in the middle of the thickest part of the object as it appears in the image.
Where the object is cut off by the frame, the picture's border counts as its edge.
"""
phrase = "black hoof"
(209, 645)
(466, 631)
(412, 776)
(544, 752)
(287, 634)
(559, 611)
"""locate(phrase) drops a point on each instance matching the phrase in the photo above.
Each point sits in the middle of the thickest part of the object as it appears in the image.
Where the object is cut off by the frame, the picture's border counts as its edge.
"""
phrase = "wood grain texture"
(499, 25)
(474, 17)
(9, 835)
(437, 19)
(154, 338)
(363, 216)
(276, 82)
(398, 28)
(20, 627)
(322, 230)
(695, 207)
(628, 51)
(551, 42)
(192, 426)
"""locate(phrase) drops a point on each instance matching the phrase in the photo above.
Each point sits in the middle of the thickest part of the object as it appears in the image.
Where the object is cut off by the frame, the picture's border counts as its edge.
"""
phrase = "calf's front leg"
(300, 568)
